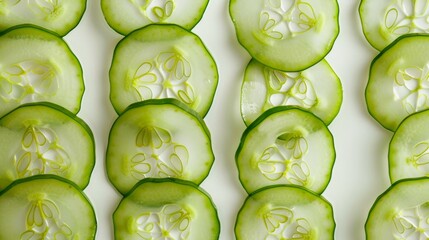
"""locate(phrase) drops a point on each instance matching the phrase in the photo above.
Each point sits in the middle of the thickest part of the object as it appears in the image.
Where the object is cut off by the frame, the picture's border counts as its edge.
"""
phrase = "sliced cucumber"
(166, 209)
(317, 89)
(385, 20)
(397, 84)
(163, 61)
(60, 16)
(46, 207)
(158, 138)
(409, 148)
(43, 138)
(285, 212)
(129, 15)
(37, 65)
(401, 212)
(286, 145)
(286, 35)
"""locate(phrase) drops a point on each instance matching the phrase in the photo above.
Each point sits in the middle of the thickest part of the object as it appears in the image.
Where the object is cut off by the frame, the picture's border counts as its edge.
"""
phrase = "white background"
(360, 172)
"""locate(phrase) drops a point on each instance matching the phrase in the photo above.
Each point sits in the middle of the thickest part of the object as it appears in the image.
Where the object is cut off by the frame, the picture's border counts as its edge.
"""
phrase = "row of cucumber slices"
(289, 96)
(397, 98)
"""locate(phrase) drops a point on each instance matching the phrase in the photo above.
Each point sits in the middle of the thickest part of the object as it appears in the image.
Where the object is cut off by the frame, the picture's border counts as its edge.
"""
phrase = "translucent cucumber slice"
(401, 212)
(60, 16)
(398, 85)
(125, 16)
(37, 65)
(166, 209)
(286, 145)
(285, 212)
(43, 138)
(385, 20)
(158, 138)
(163, 61)
(286, 35)
(317, 89)
(409, 148)
(46, 207)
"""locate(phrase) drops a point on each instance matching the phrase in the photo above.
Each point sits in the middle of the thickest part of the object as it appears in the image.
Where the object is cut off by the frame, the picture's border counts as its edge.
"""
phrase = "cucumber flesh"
(316, 89)
(46, 207)
(166, 209)
(285, 212)
(43, 138)
(286, 145)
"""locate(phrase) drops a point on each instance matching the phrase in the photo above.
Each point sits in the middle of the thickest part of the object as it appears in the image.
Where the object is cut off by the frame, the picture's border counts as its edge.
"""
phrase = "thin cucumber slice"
(46, 207)
(285, 212)
(397, 84)
(401, 212)
(37, 65)
(317, 89)
(286, 145)
(166, 209)
(162, 61)
(383, 21)
(409, 148)
(43, 138)
(158, 138)
(129, 15)
(286, 35)
(60, 16)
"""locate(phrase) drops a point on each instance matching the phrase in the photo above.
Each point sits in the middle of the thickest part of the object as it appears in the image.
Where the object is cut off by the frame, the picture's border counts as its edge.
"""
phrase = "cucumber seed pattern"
(28, 81)
(43, 221)
(165, 77)
(171, 222)
(158, 155)
(411, 87)
(407, 16)
(157, 11)
(281, 19)
(412, 223)
(420, 158)
(40, 153)
(46, 10)
(281, 223)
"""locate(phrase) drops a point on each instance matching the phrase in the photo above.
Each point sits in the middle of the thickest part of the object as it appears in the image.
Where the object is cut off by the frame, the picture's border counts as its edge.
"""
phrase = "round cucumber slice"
(286, 35)
(166, 209)
(158, 138)
(286, 145)
(383, 21)
(37, 65)
(401, 212)
(409, 148)
(285, 212)
(60, 16)
(162, 61)
(317, 89)
(46, 207)
(129, 15)
(43, 138)
(397, 84)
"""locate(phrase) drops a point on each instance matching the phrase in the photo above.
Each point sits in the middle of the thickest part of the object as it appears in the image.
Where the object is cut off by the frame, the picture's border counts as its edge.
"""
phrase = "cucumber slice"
(385, 20)
(163, 61)
(43, 138)
(409, 148)
(285, 212)
(286, 35)
(37, 65)
(129, 15)
(158, 138)
(317, 89)
(401, 212)
(286, 145)
(60, 16)
(46, 207)
(166, 209)
(397, 84)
